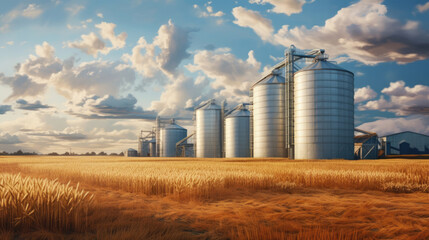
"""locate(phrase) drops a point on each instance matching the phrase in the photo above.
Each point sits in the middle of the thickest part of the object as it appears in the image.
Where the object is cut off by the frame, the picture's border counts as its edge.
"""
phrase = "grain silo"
(170, 134)
(237, 133)
(323, 111)
(268, 116)
(152, 147)
(208, 130)
(143, 147)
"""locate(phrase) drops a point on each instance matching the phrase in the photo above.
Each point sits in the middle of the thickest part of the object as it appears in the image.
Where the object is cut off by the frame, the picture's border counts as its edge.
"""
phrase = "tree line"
(20, 153)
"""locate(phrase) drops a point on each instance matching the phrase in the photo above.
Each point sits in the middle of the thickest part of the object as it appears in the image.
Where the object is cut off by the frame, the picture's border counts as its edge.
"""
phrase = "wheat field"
(245, 198)
(27, 203)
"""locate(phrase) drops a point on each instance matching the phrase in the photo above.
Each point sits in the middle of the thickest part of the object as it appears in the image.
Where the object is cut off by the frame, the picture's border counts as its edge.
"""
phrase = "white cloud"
(107, 31)
(10, 43)
(232, 76)
(359, 74)
(41, 67)
(423, 7)
(364, 94)
(350, 32)
(175, 96)
(22, 86)
(83, 25)
(75, 9)
(252, 19)
(172, 41)
(402, 100)
(208, 11)
(91, 44)
(382, 127)
(100, 15)
(32, 11)
(287, 7)
(95, 77)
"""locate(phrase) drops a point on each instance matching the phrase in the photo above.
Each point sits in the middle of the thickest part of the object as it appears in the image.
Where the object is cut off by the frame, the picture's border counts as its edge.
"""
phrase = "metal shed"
(405, 143)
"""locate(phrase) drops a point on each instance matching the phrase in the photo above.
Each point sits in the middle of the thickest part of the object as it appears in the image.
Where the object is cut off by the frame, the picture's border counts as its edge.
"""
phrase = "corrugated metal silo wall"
(268, 120)
(169, 138)
(237, 136)
(324, 114)
(208, 133)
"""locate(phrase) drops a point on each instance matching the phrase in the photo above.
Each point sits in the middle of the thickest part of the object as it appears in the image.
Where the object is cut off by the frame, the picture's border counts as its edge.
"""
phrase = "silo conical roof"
(210, 106)
(239, 113)
(173, 126)
(323, 65)
(271, 79)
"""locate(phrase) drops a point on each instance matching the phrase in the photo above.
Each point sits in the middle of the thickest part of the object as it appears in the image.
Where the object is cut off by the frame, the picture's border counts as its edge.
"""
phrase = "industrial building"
(295, 112)
(405, 143)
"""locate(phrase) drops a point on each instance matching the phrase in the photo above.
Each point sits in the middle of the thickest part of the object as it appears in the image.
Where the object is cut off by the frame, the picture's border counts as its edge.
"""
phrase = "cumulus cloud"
(364, 94)
(423, 7)
(109, 107)
(107, 31)
(43, 65)
(22, 86)
(100, 15)
(177, 95)
(5, 108)
(69, 78)
(34, 73)
(95, 77)
(287, 7)
(172, 42)
(382, 127)
(401, 100)
(37, 105)
(350, 32)
(31, 11)
(232, 76)
(6, 138)
(254, 20)
(91, 44)
(208, 11)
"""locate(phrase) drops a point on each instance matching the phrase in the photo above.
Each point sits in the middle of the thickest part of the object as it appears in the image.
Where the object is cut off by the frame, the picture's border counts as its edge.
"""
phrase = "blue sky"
(88, 75)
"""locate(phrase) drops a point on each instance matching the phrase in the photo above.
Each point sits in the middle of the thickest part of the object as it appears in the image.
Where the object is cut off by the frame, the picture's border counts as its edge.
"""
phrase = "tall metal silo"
(143, 147)
(324, 111)
(237, 133)
(208, 130)
(268, 96)
(152, 147)
(170, 134)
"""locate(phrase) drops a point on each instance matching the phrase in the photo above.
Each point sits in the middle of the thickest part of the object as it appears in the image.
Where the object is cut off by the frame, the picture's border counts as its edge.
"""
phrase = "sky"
(88, 75)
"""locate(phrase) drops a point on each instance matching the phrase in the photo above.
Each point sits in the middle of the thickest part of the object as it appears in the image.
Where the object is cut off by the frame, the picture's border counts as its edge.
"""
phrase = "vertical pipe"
(157, 136)
(289, 98)
(222, 128)
(251, 122)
